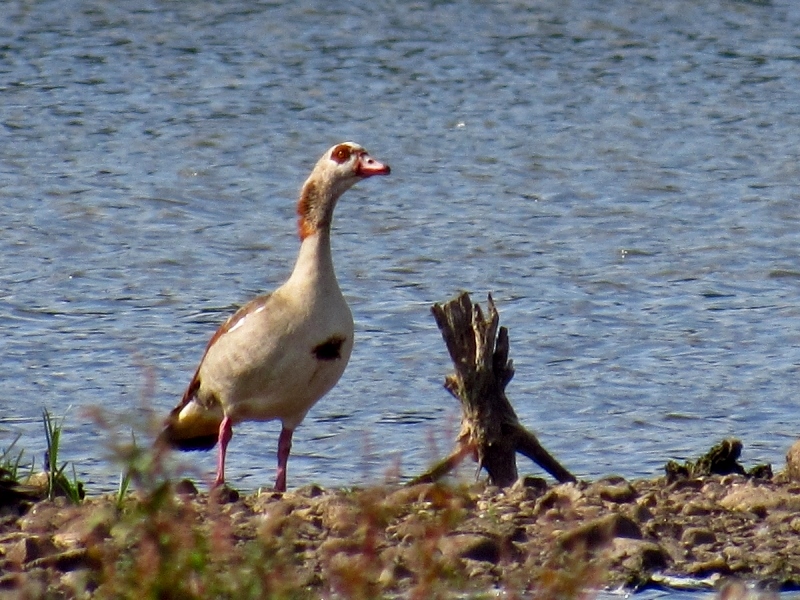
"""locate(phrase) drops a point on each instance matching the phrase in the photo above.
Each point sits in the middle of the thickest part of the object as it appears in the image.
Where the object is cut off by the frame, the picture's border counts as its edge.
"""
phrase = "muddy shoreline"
(424, 540)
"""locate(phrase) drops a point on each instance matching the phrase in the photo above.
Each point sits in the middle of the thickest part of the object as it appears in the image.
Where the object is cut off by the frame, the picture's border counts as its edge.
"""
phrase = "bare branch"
(490, 428)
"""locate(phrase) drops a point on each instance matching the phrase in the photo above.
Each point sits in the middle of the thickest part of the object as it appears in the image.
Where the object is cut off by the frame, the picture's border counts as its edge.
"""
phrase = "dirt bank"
(420, 541)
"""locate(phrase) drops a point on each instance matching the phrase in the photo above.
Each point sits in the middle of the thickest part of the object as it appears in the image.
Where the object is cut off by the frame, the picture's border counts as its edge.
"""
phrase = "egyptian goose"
(280, 353)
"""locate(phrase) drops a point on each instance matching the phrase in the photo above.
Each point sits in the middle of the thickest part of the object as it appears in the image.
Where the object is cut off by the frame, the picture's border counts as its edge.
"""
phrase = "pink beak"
(368, 166)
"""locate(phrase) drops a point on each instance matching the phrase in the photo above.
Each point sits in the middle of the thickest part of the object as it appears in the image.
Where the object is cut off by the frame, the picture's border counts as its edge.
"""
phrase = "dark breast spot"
(330, 349)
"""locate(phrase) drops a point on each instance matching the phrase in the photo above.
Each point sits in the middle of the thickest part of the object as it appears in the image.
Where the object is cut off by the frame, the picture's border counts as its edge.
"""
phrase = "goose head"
(341, 167)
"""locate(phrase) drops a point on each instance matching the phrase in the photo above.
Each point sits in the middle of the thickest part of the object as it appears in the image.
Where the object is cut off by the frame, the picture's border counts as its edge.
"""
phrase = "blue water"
(621, 176)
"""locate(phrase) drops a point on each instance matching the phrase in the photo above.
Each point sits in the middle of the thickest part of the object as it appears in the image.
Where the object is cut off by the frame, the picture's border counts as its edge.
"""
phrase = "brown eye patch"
(341, 153)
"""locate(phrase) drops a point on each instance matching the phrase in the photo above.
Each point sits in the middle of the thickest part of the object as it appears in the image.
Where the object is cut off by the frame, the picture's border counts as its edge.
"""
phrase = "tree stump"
(490, 430)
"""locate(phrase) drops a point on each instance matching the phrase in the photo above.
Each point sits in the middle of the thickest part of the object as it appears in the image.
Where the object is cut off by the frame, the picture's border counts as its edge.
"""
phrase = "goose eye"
(341, 154)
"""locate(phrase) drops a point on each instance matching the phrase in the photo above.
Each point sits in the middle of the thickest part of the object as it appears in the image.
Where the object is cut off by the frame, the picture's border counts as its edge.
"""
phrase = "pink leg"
(225, 435)
(284, 447)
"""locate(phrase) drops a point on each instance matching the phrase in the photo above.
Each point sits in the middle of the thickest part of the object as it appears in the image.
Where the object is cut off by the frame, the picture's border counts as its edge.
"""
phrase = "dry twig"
(490, 429)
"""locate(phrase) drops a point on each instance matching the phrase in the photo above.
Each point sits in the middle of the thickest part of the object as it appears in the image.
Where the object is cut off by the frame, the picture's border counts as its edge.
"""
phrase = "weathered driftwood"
(490, 430)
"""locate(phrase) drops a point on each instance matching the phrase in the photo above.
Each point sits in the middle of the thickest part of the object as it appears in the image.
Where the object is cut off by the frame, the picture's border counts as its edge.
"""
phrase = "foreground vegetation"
(158, 537)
